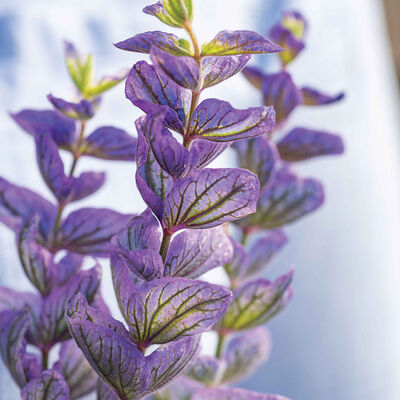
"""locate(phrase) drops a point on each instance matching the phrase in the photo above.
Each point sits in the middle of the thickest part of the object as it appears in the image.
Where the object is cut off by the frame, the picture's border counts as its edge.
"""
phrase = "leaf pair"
(82, 71)
(109, 349)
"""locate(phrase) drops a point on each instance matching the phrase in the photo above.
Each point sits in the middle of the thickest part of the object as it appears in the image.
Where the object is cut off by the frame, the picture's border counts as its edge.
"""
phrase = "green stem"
(166, 240)
(220, 345)
(45, 359)
(78, 145)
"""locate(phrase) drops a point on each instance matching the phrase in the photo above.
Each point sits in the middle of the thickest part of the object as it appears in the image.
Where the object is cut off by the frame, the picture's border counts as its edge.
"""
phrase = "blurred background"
(340, 337)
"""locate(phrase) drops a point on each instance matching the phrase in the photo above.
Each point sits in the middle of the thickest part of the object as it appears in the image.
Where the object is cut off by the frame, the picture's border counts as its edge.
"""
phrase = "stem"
(78, 145)
(193, 38)
(45, 359)
(220, 345)
(56, 223)
(165, 244)
(245, 237)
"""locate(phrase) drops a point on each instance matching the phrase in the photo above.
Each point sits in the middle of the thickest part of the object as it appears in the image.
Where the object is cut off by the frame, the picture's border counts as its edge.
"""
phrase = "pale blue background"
(340, 338)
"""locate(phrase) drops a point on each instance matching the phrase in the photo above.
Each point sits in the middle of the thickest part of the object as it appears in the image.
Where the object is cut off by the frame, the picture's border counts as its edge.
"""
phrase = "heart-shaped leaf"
(258, 155)
(147, 89)
(228, 43)
(37, 122)
(302, 144)
(143, 42)
(245, 353)
(217, 120)
(89, 230)
(194, 252)
(171, 308)
(210, 197)
(287, 199)
(169, 361)
(110, 143)
(217, 69)
(51, 385)
(257, 302)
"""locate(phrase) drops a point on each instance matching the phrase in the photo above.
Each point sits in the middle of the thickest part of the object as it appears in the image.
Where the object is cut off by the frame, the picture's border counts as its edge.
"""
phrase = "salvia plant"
(159, 256)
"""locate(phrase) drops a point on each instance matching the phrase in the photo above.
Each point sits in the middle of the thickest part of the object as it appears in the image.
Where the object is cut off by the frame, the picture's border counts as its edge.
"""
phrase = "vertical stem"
(45, 359)
(220, 345)
(166, 240)
(78, 145)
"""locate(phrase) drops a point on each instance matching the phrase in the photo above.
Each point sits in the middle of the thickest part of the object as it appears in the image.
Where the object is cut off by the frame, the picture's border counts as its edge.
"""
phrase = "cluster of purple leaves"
(158, 257)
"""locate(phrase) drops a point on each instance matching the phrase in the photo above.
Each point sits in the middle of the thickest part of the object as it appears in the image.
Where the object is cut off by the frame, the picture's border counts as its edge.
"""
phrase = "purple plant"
(157, 257)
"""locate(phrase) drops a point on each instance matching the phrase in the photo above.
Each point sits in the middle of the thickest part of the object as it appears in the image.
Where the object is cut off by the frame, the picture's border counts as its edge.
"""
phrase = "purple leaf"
(124, 282)
(217, 120)
(22, 366)
(169, 361)
(239, 263)
(302, 144)
(181, 388)
(206, 369)
(50, 326)
(210, 197)
(258, 155)
(38, 122)
(172, 156)
(245, 353)
(313, 97)
(256, 302)
(289, 34)
(83, 110)
(79, 310)
(50, 385)
(115, 359)
(104, 391)
(18, 204)
(143, 42)
(89, 230)
(204, 152)
(263, 250)
(233, 394)
(36, 260)
(110, 143)
(158, 11)
(16, 301)
(77, 372)
(238, 42)
(67, 267)
(86, 184)
(152, 181)
(182, 70)
(217, 69)
(287, 199)
(147, 89)
(254, 75)
(280, 92)
(194, 252)
(170, 309)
